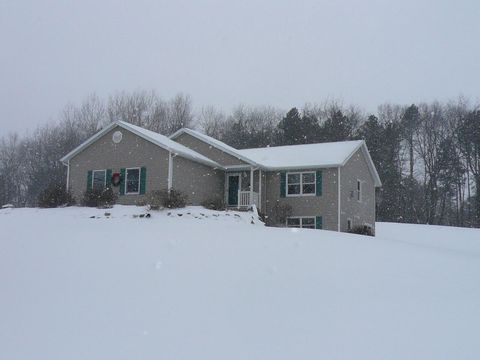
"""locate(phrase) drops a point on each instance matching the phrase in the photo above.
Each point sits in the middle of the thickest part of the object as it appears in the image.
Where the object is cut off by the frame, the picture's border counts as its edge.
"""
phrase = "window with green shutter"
(143, 180)
(132, 181)
(108, 181)
(89, 179)
(283, 183)
(122, 181)
(319, 183)
(319, 222)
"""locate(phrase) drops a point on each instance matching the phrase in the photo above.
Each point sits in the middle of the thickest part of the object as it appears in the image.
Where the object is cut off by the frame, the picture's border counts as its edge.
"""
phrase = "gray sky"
(281, 53)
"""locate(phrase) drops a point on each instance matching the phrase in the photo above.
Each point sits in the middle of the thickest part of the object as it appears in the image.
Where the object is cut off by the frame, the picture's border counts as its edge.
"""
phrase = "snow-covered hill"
(207, 285)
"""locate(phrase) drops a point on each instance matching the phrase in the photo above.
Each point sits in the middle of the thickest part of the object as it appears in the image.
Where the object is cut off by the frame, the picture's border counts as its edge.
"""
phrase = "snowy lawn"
(207, 285)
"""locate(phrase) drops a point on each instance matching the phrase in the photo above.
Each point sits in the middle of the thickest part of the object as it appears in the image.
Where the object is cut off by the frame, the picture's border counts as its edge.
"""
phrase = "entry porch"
(243, 188)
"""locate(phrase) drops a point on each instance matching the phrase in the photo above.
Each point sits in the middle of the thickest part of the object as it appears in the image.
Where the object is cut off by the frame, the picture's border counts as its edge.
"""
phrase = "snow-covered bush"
(174, 199)
(281, 212)
(155, 199)
(55, 196)
(214, 203)
(99, 198)
(158, 199)
(362, 230)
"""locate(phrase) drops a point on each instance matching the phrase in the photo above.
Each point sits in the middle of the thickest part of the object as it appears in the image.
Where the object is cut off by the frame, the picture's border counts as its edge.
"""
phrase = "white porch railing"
(244, 198)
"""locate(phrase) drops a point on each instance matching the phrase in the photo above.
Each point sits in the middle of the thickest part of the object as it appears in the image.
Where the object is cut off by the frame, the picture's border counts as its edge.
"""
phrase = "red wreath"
(116, 179)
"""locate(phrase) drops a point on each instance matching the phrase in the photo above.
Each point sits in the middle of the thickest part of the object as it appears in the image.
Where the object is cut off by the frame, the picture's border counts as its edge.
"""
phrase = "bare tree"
(212, 121)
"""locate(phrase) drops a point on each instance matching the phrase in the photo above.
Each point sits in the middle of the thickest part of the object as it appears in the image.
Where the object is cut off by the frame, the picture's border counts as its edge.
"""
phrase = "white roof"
(156, 138)
(321, 155)
(309, 155)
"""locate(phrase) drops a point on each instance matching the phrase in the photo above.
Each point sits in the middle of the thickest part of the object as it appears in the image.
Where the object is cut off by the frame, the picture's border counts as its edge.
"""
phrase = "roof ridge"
(318, 143)
(215, 143)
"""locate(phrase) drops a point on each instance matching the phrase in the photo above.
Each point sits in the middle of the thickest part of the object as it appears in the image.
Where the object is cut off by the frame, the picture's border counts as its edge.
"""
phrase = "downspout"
(260, 189)
(68, 174)
(339, 200)
(170, 171)
(251, 185)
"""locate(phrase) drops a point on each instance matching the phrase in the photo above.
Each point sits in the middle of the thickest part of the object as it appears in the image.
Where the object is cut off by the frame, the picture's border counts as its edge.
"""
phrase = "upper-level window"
(99, 179)
(132, 183)
(301, 183)
(359, 190)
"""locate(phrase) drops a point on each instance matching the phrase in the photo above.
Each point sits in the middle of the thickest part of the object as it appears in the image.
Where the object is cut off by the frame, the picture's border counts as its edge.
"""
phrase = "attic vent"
(117, 137)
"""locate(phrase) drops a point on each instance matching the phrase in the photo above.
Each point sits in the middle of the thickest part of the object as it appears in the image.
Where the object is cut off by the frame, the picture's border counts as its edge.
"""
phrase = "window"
(301, 183)
(359, 190)
(294, 222)
(132, 183)
(99, 179)
(301, 222)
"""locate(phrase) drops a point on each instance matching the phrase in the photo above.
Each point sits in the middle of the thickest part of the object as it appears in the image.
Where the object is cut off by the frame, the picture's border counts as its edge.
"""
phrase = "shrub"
(262, 216)
(163, 198)
(174, 199)
(155, 199)
(214, 203)
(281, 212)
(362, 230)
(55, 196)
(99, 198)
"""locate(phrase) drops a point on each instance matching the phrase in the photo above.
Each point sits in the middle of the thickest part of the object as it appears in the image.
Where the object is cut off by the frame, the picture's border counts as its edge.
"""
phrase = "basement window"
(301, 222)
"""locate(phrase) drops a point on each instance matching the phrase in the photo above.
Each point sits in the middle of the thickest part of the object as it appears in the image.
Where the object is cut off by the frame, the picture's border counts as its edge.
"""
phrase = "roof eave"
(371, 166)
(300, 167)
(87, 142)
(163, 146)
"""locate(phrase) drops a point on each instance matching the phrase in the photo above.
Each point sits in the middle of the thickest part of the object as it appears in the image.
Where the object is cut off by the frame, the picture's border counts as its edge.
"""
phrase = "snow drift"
(76, 283)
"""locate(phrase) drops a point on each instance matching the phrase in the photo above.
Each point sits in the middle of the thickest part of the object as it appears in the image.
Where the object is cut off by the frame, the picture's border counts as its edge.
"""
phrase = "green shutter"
(318, 222)
(89, 180)
(122, 181)
(283, 183)
(319, 183)
(143, 180)
(108, 180)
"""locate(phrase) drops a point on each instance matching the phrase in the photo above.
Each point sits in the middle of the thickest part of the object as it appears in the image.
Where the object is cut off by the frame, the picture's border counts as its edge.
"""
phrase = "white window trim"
(301, 183)
(105, 177)
(359, 192)
(139, 179)
(351, 224)
(301, 221)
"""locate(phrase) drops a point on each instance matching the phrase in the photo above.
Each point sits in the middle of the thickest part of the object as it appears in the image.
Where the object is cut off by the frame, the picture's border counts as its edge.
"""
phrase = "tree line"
(427, 154)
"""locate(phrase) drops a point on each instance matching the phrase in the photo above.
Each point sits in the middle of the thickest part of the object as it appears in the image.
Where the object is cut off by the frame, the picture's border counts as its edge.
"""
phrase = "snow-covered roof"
(294, 156)
(215, 143)
(155, 138)
(320, 155)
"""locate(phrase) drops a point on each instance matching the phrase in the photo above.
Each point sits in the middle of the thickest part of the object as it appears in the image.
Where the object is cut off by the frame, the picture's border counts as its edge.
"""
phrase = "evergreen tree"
(337, 127)
(297, 129)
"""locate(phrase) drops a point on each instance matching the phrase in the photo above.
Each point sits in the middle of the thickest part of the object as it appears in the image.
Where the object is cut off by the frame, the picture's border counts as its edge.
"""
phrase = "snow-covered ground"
(207, 285)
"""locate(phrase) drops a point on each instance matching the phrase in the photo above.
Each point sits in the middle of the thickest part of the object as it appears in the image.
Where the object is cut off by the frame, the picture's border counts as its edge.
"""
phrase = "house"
(325, 186)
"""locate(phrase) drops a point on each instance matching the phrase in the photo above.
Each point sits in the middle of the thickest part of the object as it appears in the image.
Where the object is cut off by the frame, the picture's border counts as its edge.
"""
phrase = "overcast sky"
(281, 53)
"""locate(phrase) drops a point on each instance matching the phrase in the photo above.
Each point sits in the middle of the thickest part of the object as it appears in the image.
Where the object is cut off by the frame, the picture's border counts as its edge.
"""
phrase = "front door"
(233, 185)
